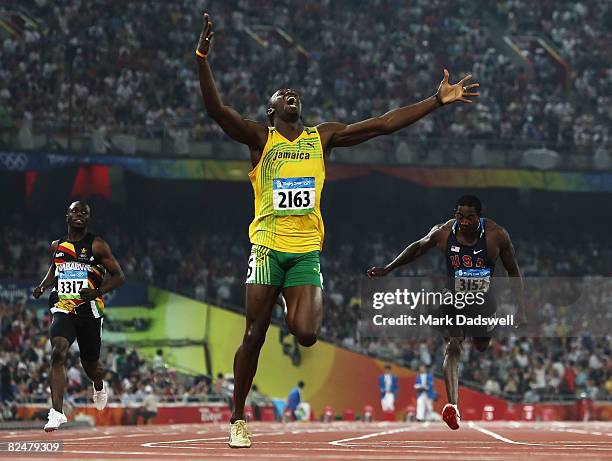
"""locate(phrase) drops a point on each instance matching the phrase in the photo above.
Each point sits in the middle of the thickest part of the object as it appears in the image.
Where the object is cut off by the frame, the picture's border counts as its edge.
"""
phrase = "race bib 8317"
(70, 282)
(293, 196)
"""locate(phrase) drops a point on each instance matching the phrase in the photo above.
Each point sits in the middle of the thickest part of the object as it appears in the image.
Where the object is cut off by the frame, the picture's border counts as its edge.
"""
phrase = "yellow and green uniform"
(287, 230)
(76, 267)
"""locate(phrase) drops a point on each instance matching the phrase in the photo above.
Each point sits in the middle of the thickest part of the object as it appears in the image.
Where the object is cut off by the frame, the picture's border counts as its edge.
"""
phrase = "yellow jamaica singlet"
(287, 183)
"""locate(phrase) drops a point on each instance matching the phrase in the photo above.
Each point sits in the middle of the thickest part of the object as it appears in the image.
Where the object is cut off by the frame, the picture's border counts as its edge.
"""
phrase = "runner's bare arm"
(103, 253)
(49, 278)
(411, 252)
(249, 132)
(335, 134)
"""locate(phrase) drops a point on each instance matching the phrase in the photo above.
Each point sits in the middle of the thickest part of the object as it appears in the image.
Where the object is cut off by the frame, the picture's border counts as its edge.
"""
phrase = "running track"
(335, 441)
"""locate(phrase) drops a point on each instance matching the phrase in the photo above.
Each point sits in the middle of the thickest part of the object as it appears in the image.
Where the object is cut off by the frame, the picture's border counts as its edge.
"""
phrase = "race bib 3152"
(472, 280)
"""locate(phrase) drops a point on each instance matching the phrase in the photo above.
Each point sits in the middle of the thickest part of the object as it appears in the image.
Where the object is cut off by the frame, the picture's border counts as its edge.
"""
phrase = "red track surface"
(337, 441)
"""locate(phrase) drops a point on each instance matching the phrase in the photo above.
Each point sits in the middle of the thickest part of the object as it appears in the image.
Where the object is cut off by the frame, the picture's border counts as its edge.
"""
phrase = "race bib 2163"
(293, 196)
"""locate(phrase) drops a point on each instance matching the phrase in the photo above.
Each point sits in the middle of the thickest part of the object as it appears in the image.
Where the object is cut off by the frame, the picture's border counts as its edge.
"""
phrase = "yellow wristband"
(200, 54)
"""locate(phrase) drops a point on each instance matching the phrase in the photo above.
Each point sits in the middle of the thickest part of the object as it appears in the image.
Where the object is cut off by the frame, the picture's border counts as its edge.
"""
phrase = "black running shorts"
(87, 332)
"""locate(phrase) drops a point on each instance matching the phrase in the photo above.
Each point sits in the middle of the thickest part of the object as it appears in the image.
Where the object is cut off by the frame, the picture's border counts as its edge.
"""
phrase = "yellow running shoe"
(239, 435)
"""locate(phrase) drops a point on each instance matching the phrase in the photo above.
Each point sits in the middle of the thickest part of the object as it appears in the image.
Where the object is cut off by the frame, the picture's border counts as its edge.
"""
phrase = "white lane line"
(136, 453)
(160, 443)
(331, 454)
(552, 445)
(218, 455)
(578, 431)
(174, 443)
(89, 438)
(341, 442)
(501, 438)
(209, 439)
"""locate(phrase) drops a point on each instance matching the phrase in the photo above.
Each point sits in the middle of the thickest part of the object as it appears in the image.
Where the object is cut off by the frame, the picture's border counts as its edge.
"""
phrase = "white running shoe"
(450, 415)
(100, 397)
(55, 420)
(240, 436)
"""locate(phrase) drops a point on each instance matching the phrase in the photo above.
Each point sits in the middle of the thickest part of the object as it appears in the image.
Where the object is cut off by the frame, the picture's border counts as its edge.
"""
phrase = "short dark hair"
(469, 200)
(301, 384)
(387, 367)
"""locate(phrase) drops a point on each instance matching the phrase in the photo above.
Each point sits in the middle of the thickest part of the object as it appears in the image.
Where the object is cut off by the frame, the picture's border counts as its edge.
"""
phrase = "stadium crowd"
(206, 266)
(132, 66)
(130, 69)
(25, 353)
